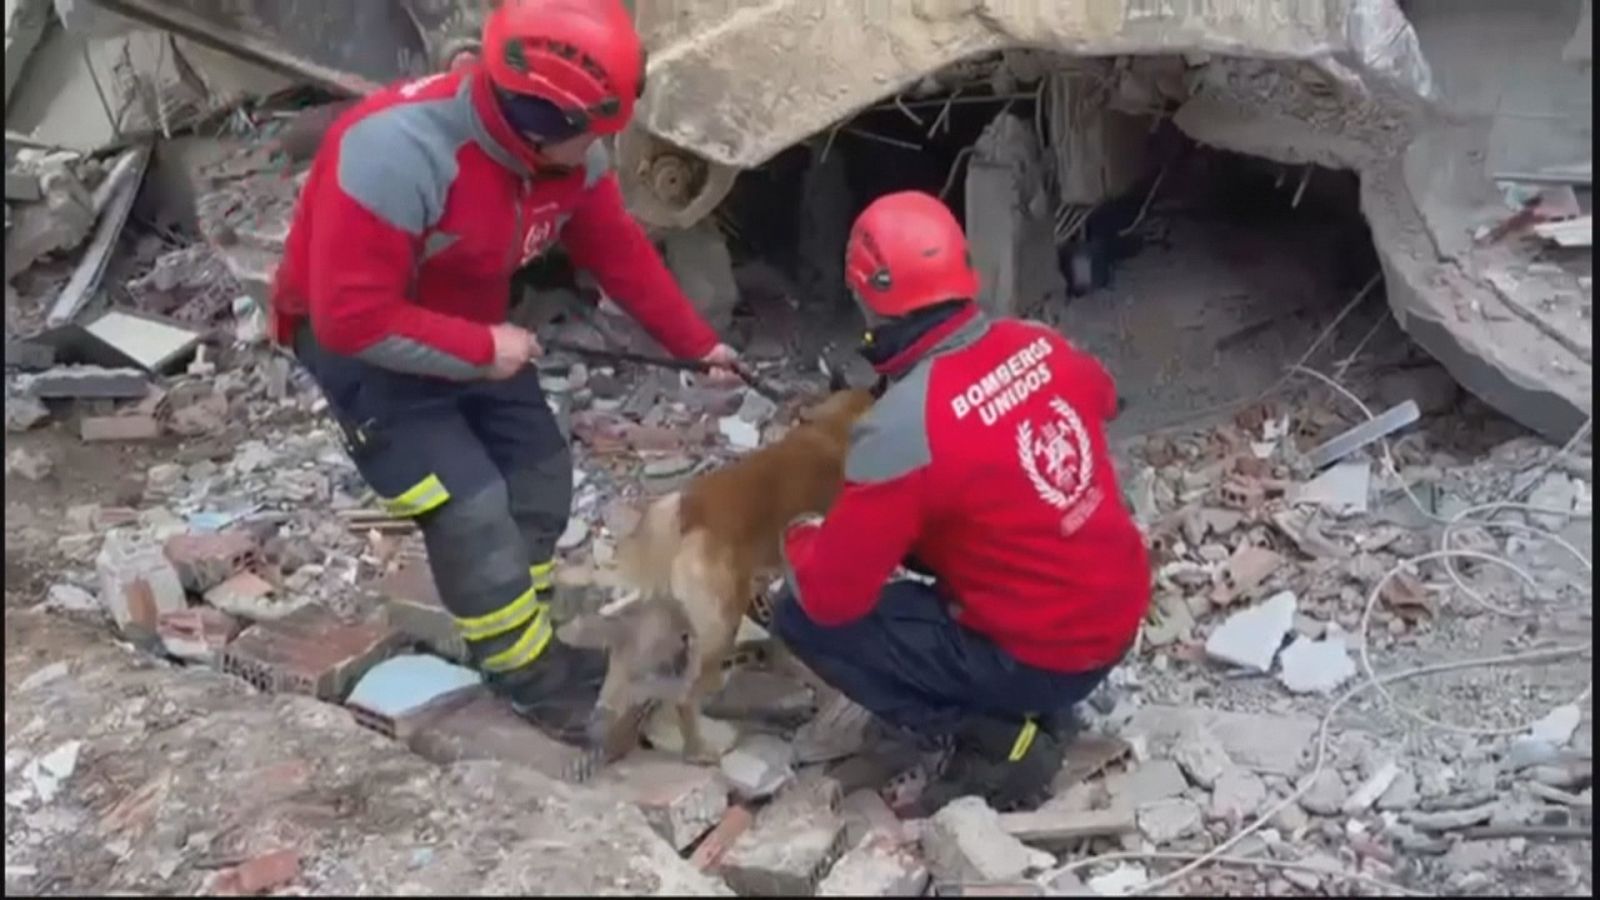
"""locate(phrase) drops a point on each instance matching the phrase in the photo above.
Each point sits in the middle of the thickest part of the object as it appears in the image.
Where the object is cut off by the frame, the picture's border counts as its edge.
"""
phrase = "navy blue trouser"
(483, 469)
(912, 665)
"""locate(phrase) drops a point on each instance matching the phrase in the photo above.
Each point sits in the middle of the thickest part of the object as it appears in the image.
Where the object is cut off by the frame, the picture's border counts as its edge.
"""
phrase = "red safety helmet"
(906, 252)
(582, 56)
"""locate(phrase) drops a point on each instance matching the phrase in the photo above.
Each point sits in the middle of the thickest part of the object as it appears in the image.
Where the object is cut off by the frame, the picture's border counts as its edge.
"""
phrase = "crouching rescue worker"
(983, 465)
(421, 202)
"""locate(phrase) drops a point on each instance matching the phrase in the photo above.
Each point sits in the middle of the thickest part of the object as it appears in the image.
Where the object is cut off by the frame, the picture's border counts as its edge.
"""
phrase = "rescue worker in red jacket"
(420, 204)
(985, 466)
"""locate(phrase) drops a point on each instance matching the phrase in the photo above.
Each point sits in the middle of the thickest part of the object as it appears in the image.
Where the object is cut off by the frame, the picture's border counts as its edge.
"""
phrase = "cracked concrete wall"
(738, 82)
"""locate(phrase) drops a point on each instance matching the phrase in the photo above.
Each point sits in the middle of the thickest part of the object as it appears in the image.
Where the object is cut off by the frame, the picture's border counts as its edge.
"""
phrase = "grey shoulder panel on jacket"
(399, 162)
(891, 440)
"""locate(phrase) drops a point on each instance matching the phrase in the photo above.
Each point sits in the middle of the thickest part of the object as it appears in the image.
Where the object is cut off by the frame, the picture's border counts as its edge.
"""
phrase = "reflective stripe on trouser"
(421, 498)
(521, 628)
(1024, 741)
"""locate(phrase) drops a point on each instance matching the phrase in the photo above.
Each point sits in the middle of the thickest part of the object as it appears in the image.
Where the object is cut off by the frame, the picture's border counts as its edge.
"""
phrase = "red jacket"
(987, 462)
(419, 207)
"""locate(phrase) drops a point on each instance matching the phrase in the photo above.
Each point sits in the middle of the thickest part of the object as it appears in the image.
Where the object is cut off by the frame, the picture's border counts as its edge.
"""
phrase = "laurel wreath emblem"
(1080, 438)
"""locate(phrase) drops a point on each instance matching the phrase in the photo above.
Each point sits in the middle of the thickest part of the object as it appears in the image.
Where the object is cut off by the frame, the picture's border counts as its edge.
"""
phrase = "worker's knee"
(475, 550)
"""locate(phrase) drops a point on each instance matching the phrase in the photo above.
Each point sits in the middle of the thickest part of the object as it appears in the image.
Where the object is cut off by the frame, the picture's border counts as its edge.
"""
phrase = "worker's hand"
(722, 359)
(514, 347)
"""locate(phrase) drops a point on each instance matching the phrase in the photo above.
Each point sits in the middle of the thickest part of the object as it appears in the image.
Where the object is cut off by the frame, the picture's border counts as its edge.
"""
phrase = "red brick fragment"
(204, 561)
(199, 633)
(258, 875)
(310, 651)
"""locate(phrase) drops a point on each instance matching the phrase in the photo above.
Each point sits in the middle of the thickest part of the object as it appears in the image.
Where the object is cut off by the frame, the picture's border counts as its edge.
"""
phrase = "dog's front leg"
(694, 744)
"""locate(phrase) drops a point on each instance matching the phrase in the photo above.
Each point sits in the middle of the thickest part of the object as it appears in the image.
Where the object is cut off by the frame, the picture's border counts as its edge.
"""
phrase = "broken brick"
(1242, 493)
(198, 634)
(241, 594)
(137, 584)
(1248, 567)
(709, 852)
(309, 651)
(94, 429)
(680, 801)
(485, 727)
(416, 610)
(258, 875)
(792, 845)
(204, 561)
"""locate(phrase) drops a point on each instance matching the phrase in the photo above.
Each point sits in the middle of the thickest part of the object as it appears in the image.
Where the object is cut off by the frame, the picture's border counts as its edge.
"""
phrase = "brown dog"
(693, 561)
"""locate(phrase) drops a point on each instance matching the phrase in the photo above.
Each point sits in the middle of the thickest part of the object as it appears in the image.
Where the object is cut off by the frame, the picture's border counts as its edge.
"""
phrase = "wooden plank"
(1063, 826)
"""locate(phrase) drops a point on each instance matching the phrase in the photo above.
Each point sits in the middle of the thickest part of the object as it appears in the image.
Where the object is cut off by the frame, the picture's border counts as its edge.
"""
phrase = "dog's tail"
(645, 556)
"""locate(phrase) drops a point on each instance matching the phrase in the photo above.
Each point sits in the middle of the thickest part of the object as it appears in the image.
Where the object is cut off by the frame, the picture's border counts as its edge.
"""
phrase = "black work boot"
(1010, 764)
(556, 693)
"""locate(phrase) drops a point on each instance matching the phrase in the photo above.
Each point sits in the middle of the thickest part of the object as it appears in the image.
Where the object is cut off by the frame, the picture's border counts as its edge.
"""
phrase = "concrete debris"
(791, 845)
(1315, 667)
(680, 801)
(1010, 221)
(1362, 798)
(1383, 425)
(196, 635)
(393, 696)
(1157, 779)
(1401, 794)
(1201, 756)
(1342, 489)
(1555, 498)
(1558, 725)
(23, 412)
(94, 429)
(146, 341)
(29, 356)
(740, 434)
(1452, 819)
(70, 598)
(1249, 566)
(758, 766)
(248, 595)
(30, 464)
(85, 383)
(137, 584)
(1265, 744)
(1238, 795)
(876, 867)
(1326, 796)
(965, 841)
(44, 777)
(1577, 232)
(1251, 638)
(1120, 881)
(45, 675)
(1165, 821)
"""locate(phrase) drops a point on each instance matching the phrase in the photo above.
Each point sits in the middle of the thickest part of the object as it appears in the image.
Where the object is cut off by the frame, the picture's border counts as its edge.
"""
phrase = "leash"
(755, 381)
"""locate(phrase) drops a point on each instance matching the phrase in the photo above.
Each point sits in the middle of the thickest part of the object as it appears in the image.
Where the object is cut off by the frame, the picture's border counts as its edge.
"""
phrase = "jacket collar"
(489, 126)
(941, 334)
